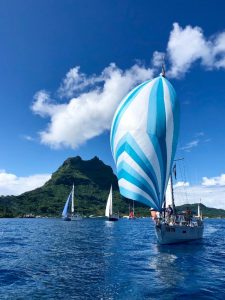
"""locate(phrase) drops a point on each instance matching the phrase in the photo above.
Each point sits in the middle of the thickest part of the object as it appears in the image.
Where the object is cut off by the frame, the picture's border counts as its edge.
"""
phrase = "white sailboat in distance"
(70, 215)
(109, 209)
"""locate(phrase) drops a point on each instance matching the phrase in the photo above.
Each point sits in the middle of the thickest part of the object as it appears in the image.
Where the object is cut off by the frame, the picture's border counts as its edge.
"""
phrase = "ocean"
(97, 259)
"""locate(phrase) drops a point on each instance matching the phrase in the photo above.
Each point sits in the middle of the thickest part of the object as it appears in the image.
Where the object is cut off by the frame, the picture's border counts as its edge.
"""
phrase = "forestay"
(143, 139)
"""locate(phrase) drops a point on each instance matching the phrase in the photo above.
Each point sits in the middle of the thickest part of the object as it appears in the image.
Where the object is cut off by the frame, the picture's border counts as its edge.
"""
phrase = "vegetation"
(206, 211)
(92, 180)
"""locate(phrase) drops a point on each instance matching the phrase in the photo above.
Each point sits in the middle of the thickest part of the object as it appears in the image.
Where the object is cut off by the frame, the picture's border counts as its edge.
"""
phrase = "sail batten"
(143, 139)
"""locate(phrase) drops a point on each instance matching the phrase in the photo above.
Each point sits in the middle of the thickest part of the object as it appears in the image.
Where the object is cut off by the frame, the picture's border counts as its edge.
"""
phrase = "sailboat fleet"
(143, 139)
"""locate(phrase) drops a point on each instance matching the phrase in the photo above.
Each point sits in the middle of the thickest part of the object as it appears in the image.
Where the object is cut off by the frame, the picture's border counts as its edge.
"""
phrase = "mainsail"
(143, 139)
(108, 209)
(65, 210)
(169, 198)
(72, 204)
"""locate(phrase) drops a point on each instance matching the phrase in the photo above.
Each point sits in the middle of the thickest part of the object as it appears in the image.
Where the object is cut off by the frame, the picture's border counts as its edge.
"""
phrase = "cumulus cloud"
(157, 58)
(214, 181)
(86, 103)
(211, 196)
(76, 82)
(211, 192)
(89, 113)
(181, 184)
(10, 184)
(189, 45)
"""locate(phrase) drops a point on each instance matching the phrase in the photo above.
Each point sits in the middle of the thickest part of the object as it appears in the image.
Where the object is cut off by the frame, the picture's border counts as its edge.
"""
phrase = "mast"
(111, 205)
(133, 207)
(172, 193)
(72, 204)
(199, 210)
(163, 73)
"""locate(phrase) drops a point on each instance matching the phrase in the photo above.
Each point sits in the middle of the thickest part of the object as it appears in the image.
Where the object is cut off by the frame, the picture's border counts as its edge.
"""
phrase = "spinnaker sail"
(143, 139)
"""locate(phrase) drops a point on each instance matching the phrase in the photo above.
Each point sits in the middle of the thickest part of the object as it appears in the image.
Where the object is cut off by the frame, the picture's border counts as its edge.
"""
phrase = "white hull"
(173, 234)
(76, 218)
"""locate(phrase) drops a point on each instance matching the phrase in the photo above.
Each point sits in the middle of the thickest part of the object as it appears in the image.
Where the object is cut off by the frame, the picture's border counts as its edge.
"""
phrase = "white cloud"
(10, 184)
(211, 196)
(211, 192)
(199, 134)
(90, 100)
(90, 113)
(75, 81)
(43, 105)
(190, 145)
(28, 138)
(157, 58)
(199, 138)
(181, 184)
(207, 140)
(188, 45)
(214, 181)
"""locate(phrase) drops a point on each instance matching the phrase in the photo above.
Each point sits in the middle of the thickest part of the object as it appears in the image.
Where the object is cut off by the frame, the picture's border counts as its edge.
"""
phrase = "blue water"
(96, 259)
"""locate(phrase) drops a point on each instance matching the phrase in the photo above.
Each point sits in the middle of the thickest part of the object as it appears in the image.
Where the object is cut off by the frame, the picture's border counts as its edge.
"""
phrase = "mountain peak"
(76, 170)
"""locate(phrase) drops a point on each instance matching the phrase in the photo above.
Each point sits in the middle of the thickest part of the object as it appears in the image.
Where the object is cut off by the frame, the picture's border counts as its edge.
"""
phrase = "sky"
(66, 65)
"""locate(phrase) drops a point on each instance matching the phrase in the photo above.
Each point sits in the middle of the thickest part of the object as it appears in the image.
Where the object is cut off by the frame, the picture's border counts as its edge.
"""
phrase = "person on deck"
(188, 215)
(169, 214)
(131, 215)
(169, 211)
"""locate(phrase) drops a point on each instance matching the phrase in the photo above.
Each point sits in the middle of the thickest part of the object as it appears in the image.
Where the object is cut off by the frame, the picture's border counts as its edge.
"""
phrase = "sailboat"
(109, 208)
(70, 216)
(144, 136)
(177, 227)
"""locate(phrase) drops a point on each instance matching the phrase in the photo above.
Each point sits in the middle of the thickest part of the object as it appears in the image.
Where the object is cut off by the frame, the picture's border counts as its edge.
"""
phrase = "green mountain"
(92, 180)
(206, 211)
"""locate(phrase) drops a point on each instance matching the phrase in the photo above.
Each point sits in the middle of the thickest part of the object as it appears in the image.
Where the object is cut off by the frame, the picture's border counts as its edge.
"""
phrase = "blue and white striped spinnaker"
(144, 137)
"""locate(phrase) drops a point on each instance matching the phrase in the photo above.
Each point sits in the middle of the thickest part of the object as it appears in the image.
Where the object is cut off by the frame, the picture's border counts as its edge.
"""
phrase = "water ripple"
(96, 259)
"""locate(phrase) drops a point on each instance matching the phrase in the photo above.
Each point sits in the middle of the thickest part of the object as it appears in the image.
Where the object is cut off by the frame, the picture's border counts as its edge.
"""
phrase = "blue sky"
(44, 42)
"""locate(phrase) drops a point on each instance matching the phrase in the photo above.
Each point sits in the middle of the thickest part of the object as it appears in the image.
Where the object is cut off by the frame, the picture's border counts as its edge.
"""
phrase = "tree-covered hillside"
(92, 180)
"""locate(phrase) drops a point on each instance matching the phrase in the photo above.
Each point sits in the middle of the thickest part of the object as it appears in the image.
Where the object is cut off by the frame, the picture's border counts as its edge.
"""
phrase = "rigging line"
(183, 172)
(185, 187)
(182, 180)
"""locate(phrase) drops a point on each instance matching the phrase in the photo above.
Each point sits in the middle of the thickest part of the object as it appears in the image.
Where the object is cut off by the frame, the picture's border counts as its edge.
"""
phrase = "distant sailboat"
(131, 212)
(70, 216)
(109, 208)
(144, 136)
